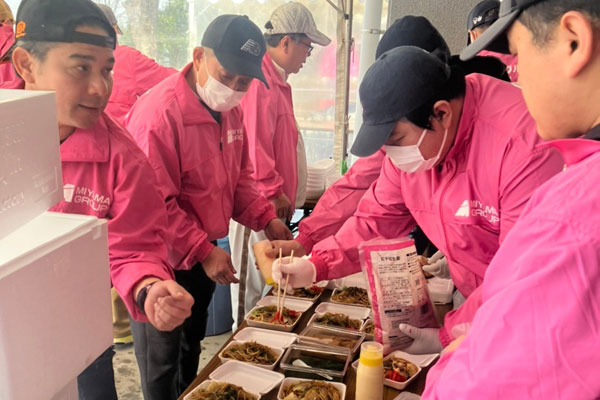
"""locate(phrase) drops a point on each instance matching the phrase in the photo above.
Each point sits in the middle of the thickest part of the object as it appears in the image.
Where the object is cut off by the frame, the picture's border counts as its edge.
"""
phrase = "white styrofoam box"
(206, 383)
(55, 313)
(30, 169)
(440, 290)
(251, 378)
(341, 387)
(354, 312)
(277, 350)
(266, 337)
(290, 303)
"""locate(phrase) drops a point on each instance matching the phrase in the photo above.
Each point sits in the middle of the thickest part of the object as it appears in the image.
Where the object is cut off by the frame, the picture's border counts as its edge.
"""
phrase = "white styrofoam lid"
(251, 378)
(290, 303)
(266, 337)
(354, 280)
(351, 311)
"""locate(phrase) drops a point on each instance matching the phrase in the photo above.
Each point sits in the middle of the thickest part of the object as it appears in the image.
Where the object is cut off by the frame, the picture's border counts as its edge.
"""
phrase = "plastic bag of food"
(397, 290)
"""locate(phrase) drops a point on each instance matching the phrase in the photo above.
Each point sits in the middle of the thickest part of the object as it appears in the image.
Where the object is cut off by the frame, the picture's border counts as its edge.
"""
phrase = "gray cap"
(295, 18)
(110, 16)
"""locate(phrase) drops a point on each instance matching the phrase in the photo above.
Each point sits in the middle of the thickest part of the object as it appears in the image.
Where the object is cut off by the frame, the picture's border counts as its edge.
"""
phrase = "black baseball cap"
(400, 81)
(238, 44)
(414, 31)
(485, 12)
(56, 21)
(494, 38)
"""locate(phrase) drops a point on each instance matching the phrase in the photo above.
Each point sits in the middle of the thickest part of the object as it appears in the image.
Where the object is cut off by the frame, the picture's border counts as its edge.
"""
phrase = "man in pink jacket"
(191, 128)
(481, 17)
(274, 142)
(536, 334)
(104, 172)
(461, 163)
(7, 39)
(133, 75)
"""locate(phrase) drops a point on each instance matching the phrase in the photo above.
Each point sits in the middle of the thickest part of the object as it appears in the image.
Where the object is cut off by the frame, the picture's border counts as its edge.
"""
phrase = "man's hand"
(167, 305)
(437, 265)
(286, 247)
(219, 268)
(301, 273)
(425, 341)
(283, 207)
(276, 230)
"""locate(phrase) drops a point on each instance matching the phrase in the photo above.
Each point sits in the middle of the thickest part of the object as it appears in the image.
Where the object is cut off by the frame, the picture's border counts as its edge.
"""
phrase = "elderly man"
(191, 129)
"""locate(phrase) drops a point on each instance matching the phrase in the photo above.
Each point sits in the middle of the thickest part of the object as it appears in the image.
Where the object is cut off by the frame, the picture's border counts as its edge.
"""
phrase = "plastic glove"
(302, 273)
(438, 266)
(425, 341)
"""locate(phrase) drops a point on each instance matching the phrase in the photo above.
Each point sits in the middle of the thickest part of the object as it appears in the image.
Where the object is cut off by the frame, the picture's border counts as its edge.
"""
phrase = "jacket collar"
(464, 132)
(574, 151)
(272, 72)
(88, 145)
(192, 110)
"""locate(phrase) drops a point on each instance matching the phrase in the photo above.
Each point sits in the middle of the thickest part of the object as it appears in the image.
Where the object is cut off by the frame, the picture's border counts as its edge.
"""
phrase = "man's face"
(81, 76)
(211, 65)
(295, 53)
(543, 81)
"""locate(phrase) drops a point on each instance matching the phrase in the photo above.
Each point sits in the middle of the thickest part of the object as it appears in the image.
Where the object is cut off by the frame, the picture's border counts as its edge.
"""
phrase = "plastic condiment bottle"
(369, 375)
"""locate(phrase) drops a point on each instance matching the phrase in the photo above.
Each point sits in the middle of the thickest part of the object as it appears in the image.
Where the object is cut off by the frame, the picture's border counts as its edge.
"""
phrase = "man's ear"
(576, 35)
(25, 64)
(442, 113)
(285, 43)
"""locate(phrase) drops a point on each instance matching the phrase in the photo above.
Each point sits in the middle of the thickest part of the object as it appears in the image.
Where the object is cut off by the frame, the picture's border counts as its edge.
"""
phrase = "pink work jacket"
(468, 203)
(203, 169)
(106, 175)
(272, 134)
(339, 202)
(133, 75)
(536, 333)
(7, 38)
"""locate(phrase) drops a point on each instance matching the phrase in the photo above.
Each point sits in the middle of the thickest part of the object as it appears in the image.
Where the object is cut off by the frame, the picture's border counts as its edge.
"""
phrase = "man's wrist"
(142, 294)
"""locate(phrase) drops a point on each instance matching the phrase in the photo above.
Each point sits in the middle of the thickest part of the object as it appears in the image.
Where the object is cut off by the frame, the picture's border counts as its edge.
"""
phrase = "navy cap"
(238, 44)
(483, 13)
(494, 38)
(414, 31)
(400, 81)
(56, 21)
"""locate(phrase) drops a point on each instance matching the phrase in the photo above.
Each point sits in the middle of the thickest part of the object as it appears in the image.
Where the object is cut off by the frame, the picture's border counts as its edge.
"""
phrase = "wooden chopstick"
(279, 284)
(287, 280)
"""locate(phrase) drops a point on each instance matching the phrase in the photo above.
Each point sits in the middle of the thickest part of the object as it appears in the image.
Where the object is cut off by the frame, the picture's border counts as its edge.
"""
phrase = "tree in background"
(172, 34)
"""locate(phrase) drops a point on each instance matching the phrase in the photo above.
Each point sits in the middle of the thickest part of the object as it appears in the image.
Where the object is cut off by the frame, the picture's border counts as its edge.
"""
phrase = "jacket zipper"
(441, 202)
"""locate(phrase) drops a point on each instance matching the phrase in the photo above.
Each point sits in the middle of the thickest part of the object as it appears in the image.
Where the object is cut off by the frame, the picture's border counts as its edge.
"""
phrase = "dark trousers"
(168, 361)
(97, 382)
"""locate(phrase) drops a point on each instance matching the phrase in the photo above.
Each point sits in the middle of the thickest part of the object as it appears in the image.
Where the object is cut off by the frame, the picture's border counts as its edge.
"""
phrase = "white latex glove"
(425, 341)
(302, 273)
(437, 265)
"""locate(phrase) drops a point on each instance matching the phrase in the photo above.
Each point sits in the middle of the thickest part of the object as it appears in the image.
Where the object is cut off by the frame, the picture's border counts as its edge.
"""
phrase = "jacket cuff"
(204, 250)
(321, 268)
(267, 217)
(129, 299)
(305, 241)
(445, 338)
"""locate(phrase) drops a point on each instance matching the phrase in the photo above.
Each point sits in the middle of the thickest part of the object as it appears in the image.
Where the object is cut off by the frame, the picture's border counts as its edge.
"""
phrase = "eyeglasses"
(308, 47)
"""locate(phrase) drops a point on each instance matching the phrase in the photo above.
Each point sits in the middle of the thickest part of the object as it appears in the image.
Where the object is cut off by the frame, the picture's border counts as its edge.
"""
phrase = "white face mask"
(216, 95)
(410, 159)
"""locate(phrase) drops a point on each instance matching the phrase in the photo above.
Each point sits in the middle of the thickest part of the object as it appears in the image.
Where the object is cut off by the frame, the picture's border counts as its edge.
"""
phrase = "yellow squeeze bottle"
(369, 375)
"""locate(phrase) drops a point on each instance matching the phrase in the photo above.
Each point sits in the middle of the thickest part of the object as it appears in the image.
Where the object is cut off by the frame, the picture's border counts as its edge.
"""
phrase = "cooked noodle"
(305, 293)
(269, 314)
(221, 391)
(340, 320)
(251, 352)
(369, 328)
(352, 295)
(311, 390)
